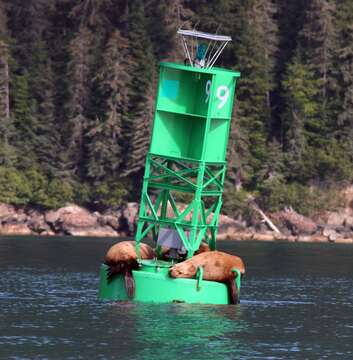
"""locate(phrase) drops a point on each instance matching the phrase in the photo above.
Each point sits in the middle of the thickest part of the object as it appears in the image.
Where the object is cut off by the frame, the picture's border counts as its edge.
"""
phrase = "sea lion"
(217, 266)
(122, 259)
(203, 248)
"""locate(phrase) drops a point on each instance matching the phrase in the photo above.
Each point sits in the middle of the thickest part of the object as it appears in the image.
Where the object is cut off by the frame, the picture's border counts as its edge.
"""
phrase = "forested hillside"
(78, 80)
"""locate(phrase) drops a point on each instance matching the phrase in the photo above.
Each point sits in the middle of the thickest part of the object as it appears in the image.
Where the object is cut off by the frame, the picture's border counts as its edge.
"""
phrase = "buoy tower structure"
(187, 157)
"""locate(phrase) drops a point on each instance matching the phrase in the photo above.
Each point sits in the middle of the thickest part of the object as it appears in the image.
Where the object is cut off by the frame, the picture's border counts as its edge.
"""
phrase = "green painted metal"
(193, 112)
(187, 153)
(153, 284)
(186, 157)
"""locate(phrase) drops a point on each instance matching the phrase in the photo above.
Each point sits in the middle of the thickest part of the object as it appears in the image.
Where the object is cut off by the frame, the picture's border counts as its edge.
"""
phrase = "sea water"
(296, 303)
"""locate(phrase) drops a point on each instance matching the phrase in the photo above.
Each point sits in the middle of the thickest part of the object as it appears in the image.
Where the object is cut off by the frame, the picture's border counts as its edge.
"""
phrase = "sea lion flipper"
(113, 270)
(129, 284)
(233, 290)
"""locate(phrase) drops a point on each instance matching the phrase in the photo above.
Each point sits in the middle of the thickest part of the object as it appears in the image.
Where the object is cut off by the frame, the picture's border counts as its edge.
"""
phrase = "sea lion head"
(185, 269)
(204, 247)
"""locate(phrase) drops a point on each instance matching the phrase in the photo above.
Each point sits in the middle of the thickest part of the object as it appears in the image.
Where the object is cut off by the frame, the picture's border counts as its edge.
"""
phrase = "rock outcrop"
(334, 227)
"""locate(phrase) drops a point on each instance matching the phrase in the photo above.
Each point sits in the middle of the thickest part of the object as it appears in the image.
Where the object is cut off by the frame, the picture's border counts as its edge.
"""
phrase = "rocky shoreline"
(333, 227)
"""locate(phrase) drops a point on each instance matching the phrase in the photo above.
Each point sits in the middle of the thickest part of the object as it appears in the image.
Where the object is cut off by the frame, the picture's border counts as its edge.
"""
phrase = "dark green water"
(296, 304)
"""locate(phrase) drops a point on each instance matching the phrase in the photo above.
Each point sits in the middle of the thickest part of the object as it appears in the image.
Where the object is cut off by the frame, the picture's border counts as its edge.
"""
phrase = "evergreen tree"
(317, 42)
(77, 81)
(105, 136)
(79, 69)
(7, 152)
(94, 14)
(344, 21)
(254, 50)
(317, 38)
(25, 122)
(141, 89)
(163, 19)
(4, 67)
(49, 140)
(301, 89)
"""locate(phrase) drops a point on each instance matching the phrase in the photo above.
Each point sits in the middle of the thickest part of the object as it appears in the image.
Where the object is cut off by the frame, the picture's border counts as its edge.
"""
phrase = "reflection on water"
(296, 304)
(178, 330)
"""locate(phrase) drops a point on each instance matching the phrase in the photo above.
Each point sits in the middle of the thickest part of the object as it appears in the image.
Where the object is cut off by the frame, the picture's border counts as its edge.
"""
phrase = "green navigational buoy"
(186, 159)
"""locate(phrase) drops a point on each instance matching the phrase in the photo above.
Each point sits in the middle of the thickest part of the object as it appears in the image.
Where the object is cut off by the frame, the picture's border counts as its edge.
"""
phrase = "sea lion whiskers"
(186, 270)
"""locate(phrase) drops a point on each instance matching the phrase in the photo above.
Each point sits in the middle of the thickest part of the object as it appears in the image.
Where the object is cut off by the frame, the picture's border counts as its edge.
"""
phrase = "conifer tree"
(141, 89)
(79, 69)
(4, 67)
(255, 46)
(317, 41)
(164, 18)
(301, 89)
(105, 136)
(49, 151)
(7, 152)
(317, 38)
(25, 122)
(344, 22)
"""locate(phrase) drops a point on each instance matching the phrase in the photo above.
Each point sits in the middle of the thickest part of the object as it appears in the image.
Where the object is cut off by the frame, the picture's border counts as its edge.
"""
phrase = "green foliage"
(82, 80)
(48, 194)
(108, 194)
(59, 193)
(14, 188)
(275, 195)
(82, 193)
(236, 202)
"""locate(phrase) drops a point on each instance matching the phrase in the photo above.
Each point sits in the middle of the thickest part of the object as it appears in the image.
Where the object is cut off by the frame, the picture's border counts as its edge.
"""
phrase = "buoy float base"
(154, 285)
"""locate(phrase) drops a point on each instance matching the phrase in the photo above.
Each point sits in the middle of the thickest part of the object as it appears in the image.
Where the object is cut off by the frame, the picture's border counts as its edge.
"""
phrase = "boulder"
(37, 223)
(335, 219)
(223, 236)
(130, 212)
(348, 222)
(67, 218)
(304, 238)
(297, 223)
(15, 229)
(76, 216)
(48, 233)
(99, 231)
(109, 220)
(331, 234)
(344, 241)
(263, 237)
(77, 221)
(319, 238)
(6, 212)
(9, 214)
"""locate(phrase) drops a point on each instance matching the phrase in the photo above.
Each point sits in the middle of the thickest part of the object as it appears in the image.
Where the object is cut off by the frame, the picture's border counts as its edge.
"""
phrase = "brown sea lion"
(122, 259)
(203, 248)
(217, 266)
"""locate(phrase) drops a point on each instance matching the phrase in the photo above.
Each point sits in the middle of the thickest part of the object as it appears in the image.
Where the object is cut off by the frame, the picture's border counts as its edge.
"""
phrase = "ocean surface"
(296, 303)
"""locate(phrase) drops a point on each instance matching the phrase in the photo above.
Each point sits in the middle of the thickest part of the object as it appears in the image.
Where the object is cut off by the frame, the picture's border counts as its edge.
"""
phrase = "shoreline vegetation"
(285, 225)
(78, 82)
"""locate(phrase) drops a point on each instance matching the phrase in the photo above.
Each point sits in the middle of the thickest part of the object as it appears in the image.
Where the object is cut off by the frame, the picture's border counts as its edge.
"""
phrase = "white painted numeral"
(222, 95)
(208, 90)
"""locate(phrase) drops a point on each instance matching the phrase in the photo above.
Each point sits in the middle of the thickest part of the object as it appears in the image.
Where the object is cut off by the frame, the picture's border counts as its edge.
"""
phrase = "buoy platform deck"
(154, 285)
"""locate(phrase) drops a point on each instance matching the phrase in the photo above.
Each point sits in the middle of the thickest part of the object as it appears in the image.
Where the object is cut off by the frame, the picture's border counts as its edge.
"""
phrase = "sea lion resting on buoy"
(203, 248)
(122, 259)
(217, 266)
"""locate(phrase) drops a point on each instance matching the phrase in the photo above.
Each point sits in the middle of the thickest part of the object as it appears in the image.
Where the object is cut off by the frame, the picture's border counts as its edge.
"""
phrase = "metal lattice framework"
(214, 45)
(166, 178)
